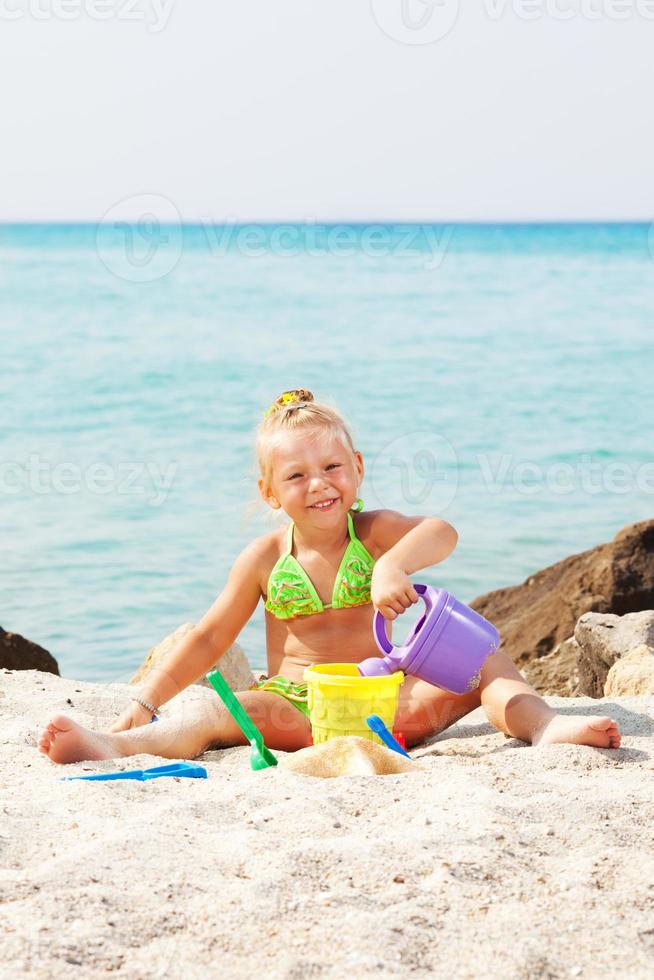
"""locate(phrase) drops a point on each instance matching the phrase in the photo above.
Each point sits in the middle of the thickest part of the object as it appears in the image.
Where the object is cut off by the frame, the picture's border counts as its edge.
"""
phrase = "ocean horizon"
(497, 375)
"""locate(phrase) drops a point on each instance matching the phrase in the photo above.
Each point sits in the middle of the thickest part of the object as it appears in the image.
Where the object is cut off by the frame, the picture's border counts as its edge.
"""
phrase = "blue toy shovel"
(174, 769)
(376, 725)
(260, 756)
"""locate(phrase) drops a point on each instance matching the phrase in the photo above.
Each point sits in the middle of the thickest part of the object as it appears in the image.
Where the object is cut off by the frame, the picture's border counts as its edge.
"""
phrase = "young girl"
(321, 579)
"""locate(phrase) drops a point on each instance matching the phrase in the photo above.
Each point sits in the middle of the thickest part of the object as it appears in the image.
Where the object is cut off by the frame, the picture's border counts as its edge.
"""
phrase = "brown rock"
(632, 569)
(603, 639)
(557, 673)
(532, 618)
(17, 653)
(233, 665)
(632, 674)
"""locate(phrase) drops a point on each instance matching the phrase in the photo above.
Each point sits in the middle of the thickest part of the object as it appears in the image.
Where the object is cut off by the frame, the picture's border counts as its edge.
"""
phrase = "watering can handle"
(379, 625)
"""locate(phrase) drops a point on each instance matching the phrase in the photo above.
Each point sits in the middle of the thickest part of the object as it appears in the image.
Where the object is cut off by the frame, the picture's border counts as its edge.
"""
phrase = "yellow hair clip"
(287, 398)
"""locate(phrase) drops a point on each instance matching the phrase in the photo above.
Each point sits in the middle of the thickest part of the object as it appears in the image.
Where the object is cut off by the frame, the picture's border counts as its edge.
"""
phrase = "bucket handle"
(379, 624)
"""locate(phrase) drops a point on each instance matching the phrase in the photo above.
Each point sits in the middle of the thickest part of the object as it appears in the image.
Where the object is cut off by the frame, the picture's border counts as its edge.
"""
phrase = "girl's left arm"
(417, 545)
(408, 544)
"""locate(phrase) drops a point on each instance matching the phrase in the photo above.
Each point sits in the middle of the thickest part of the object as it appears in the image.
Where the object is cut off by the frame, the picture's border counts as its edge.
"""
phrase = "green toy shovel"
(260, 756)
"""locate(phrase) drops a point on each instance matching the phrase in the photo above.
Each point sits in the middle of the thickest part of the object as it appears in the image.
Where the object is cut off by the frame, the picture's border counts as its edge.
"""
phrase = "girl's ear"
(269, 497)
(359, 459)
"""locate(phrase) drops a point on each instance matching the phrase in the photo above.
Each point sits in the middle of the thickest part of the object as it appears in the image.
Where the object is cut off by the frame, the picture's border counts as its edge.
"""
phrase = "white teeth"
(325, 503)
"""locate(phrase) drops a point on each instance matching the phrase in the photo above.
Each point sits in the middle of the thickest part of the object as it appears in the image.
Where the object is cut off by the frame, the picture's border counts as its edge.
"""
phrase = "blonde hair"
(290, 412)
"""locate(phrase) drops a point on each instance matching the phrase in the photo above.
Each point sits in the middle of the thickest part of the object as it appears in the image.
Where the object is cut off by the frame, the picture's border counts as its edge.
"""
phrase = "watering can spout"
(376, 667)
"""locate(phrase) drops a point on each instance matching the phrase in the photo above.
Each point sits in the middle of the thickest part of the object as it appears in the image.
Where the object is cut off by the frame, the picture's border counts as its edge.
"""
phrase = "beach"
(492, 859)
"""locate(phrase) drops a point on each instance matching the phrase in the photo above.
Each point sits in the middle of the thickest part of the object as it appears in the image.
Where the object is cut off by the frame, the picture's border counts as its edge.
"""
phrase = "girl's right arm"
(207, 642)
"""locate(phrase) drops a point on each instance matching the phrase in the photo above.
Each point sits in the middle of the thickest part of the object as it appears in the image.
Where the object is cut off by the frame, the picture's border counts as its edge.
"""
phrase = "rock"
(17, 653)
(632, 569)
(632, 674)
(581, 664)
(233, 664)
(557, 673)
(603, 639)
(542, 612)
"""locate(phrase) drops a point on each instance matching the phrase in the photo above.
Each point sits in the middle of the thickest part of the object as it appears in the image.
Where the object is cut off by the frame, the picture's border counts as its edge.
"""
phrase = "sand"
(491, 860)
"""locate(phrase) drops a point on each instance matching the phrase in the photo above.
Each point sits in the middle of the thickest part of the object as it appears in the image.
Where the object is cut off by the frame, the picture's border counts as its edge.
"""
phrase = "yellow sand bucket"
(340, 700)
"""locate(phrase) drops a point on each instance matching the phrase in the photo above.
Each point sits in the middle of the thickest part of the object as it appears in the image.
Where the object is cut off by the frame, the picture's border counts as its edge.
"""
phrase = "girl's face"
(312, 467)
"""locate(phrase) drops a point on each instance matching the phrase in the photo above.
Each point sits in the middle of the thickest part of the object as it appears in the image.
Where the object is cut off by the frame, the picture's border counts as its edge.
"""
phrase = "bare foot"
(66, 741)
(580, 730)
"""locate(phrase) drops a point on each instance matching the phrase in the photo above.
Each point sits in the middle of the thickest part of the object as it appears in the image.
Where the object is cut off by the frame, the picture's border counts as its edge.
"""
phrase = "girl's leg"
(185, 734)
(510, 703)
(425, 710)
(514, 707)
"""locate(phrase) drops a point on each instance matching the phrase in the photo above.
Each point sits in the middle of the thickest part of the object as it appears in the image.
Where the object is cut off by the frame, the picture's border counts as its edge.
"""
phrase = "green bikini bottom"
(297, 694)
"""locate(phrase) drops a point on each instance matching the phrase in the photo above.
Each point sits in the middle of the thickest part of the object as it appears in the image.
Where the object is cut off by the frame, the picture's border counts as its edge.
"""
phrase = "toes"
(58, 724)
(608, 727)
(603, 724)
(61, 723)
(614, 738)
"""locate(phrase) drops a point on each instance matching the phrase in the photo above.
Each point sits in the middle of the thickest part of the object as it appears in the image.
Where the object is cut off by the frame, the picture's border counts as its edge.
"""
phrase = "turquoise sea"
(499, 376)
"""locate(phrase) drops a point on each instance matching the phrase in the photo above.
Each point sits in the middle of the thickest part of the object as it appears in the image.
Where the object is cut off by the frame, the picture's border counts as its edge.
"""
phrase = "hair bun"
(295, 398)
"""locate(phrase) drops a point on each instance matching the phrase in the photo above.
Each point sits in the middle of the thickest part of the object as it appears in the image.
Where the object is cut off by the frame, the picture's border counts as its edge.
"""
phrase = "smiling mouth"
(324, 504)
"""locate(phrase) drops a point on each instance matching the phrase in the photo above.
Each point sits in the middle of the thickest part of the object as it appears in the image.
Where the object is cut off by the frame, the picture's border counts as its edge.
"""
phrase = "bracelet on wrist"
(146, 704)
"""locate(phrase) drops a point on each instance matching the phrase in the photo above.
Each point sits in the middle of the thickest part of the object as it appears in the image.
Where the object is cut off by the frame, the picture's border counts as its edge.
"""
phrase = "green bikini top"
(291, 592)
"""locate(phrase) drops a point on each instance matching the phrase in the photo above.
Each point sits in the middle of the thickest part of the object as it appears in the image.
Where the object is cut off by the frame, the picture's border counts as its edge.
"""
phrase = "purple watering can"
(447, 646)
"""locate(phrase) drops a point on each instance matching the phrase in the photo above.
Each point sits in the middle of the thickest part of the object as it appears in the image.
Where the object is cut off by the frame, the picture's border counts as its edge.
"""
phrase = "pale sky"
(340, 110)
